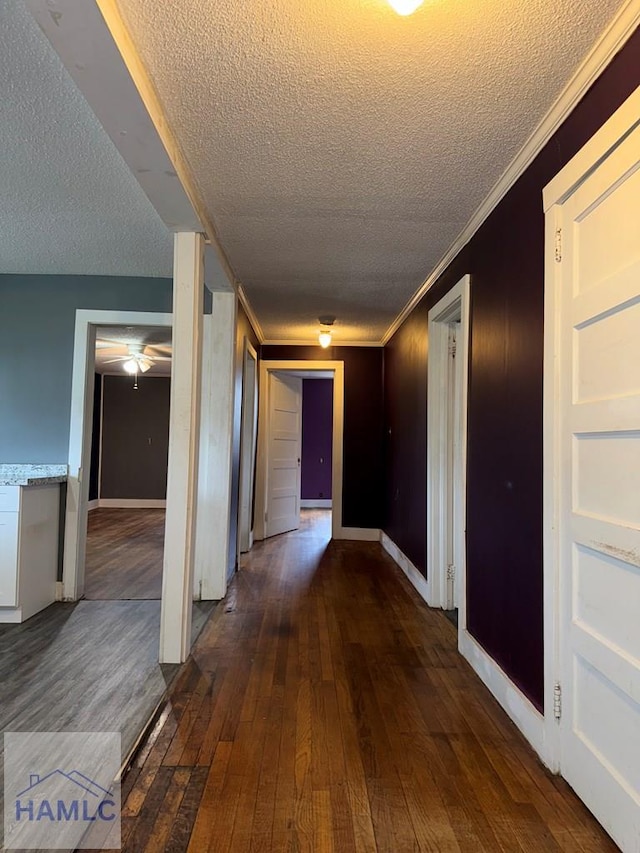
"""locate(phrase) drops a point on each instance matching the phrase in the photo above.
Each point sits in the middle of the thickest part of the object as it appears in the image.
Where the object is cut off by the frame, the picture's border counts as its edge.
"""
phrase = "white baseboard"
(516, 705)
(526, 717)
(93, 504)
(415, 576)
(315, 503)
(11, 615)
(358, 534)
(131, 503)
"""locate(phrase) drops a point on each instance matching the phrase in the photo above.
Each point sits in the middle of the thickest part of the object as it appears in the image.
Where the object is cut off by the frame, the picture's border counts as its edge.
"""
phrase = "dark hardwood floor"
(325, 708)
(124, 554)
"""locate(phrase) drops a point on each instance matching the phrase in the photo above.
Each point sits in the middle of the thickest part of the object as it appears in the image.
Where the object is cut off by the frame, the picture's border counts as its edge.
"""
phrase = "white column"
(216, 442)
(184, 425)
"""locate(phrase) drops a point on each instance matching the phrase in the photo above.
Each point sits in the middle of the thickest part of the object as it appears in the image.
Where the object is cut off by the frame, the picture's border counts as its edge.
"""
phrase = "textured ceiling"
(339, 148)
(112, 342)
(68, 202)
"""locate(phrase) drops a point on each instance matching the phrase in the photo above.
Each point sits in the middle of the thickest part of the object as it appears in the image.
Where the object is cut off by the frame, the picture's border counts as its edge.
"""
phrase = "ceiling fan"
(139, 357)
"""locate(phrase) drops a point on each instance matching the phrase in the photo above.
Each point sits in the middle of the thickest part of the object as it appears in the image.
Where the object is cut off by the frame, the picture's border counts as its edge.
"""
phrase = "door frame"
(454, 304)
(555, 474)
(248, 444)
(80, 434)
(296, 367)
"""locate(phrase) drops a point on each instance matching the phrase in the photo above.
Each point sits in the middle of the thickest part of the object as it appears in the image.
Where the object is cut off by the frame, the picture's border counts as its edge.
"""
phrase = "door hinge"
(558, 245)
(451, 572)
(557, 701)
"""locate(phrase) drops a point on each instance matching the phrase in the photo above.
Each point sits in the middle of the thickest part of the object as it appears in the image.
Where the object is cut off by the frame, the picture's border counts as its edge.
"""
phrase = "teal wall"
(37, 322)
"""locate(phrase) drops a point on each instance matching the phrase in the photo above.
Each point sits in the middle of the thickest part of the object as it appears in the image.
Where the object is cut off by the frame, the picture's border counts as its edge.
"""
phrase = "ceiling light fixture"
(137, 364)
(324, 338)
(405, 7)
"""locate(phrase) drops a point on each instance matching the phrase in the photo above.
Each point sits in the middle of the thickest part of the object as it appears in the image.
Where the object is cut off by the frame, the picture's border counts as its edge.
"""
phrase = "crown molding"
(147, 91)
(313, 342)
(610, 42)
(248, 310)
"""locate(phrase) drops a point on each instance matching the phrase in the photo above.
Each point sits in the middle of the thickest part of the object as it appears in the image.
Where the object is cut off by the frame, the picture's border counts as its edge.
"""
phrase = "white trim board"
(81, 419)
(315, 503)
(247, 449)
(313, 342)
(516, 705)
(131, 503)
(251, 316)
(512, 700)
(453, 305)
(213, 510)
(610, 42)
(589, 157)
(358, 534)
(416, 578)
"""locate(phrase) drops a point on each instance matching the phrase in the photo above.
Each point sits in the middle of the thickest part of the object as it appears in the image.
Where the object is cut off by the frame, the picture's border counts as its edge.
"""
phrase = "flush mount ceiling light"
(324, 338)
(405, 7)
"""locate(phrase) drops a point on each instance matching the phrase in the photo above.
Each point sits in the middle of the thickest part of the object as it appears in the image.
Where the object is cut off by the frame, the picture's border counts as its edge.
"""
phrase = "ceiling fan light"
(144, 364)
(324, 338)
(131, 366)
(405, 7)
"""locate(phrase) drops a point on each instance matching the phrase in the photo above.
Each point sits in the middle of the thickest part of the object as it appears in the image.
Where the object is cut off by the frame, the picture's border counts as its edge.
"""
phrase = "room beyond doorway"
(124, 554)
(276, 414)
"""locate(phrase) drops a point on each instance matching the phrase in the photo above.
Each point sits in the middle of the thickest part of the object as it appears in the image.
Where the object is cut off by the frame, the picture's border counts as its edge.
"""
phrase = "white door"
(285, 443)
(598, 263)
(446, 447)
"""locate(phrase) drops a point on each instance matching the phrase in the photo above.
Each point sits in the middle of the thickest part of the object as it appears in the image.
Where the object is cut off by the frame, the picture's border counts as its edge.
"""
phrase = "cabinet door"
(8, 559)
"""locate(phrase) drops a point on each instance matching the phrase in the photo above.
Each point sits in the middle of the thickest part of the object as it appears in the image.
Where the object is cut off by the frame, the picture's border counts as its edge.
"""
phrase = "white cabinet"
(29, 529)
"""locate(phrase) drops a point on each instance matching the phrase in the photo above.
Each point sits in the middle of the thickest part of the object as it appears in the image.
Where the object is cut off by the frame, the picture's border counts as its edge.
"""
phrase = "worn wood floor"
(94, 663)
(88, 666)
(325, 708)
(124, 554)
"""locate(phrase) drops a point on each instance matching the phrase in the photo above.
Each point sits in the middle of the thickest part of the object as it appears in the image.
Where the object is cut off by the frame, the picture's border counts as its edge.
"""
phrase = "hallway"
(325, 708)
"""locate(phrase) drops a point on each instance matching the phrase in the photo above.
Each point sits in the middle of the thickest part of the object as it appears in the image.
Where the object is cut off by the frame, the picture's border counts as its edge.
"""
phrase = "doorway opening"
(446, 460)
(248, 446)
(81, 434)
(299, 464)
(128, 475)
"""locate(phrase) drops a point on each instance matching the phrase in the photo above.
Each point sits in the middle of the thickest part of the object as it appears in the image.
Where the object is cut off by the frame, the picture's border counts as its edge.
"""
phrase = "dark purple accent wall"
(504, 475)
(135, 437)
(317, 438)
(363, 468)
(96, 438)
(244, 329)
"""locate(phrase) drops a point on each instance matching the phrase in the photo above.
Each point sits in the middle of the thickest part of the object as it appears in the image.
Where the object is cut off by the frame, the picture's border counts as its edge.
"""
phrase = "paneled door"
(285, 443)
(597, 433)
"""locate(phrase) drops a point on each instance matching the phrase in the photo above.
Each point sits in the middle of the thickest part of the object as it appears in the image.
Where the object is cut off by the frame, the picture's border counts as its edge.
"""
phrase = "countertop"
(22, 474)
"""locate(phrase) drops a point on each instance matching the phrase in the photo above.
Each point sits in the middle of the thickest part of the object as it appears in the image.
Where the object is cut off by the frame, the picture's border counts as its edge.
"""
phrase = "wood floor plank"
(124, 555)
(326, 708)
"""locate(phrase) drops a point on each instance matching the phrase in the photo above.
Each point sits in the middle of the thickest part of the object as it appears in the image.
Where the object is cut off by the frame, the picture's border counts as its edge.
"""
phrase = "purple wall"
(317, 438)
(363, 469)
(504, 476)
